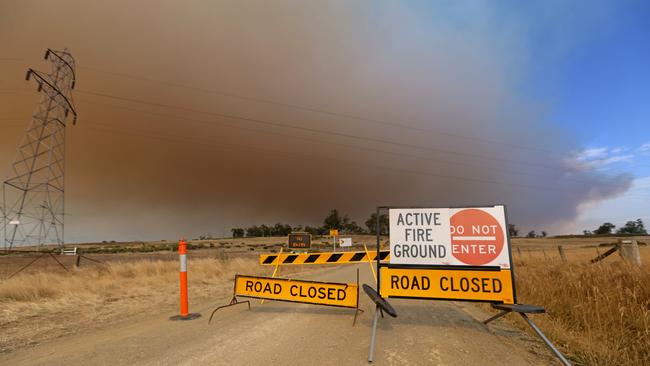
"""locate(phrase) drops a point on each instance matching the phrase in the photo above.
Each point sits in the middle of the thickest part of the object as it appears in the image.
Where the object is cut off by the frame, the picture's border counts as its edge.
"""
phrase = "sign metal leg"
(496, 317)
(546, 340)
(374, 333)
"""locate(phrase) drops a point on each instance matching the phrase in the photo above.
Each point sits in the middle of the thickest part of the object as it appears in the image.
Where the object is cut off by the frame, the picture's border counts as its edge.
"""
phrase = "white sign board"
(14, 222)
(345, 242)
(473, 236)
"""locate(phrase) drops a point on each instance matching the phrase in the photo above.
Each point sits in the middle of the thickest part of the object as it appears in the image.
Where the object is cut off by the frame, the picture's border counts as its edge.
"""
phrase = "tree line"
(333, 220)
(635, 227)
(346, 226)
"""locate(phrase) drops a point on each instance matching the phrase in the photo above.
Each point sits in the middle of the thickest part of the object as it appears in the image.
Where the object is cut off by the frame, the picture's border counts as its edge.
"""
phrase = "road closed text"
(447, 284)
(322, 293)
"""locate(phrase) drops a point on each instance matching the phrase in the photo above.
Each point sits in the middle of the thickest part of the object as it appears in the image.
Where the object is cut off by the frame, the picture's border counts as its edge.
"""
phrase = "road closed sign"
(310, 292)
(473, 236)
(424, 283)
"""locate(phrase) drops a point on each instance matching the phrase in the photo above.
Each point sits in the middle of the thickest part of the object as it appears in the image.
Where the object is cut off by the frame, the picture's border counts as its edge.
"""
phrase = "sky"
(200, 117)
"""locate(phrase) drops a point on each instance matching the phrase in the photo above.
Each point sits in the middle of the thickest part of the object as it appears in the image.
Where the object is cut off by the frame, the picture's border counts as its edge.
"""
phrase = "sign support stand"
(375, 319)
(506, 305)
(374, 333)
(523, 310)
(277, 265)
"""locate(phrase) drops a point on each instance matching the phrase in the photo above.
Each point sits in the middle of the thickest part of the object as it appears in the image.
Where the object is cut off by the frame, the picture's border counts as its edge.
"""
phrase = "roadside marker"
(321, 258)
(185, 314)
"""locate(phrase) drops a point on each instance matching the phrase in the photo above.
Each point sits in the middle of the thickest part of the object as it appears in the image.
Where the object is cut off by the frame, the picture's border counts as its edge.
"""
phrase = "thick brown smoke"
(199, 117)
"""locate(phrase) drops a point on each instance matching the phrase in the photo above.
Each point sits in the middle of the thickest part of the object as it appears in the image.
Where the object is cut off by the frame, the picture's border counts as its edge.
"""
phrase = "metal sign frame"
(521, 309)
(447, 267)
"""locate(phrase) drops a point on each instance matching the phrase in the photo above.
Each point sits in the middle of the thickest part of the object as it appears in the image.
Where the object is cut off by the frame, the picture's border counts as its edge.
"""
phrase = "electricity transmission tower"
(33, 195)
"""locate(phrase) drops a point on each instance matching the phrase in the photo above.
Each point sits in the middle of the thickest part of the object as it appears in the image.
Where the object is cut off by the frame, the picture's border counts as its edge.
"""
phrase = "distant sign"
(14, 222)
(299, 241)
(345, 242)
(310, 292)
(423, 283)
(334, 232)
(449, 236)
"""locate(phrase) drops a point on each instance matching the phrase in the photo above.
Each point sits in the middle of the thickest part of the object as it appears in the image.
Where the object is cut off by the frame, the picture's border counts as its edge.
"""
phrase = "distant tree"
(544, 234)
(531, 234)
(605, 228)
(633, 227)
(351, 227)
(512, 230)
(254, 231)
(298, 229)
(334, 220)
(280, 229)
(315, 230)
(587, 232)
(371, 223)
(237, 232)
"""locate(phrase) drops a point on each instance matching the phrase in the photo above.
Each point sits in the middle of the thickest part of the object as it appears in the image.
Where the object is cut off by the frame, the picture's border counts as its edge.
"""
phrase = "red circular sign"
(476, 237)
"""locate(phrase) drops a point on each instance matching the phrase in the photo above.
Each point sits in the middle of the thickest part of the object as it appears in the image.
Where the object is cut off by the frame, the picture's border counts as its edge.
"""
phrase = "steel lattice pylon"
(33, 195)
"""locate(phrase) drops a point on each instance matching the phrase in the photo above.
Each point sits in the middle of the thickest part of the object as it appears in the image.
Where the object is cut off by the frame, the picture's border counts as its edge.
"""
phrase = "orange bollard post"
(185, 314)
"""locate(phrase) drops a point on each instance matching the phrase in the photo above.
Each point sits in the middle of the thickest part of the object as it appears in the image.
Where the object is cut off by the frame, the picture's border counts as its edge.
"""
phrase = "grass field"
(599, 314)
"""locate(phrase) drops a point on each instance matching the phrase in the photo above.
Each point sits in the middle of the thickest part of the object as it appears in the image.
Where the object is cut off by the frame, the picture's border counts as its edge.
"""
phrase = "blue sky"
(598, 87)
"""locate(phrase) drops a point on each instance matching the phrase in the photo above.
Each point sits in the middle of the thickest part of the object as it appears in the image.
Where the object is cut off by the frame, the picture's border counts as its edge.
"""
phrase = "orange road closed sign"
(309, 292)
(447, 284)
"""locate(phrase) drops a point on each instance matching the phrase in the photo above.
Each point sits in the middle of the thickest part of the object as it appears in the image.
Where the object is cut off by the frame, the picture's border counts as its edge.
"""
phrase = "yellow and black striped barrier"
(322, 258)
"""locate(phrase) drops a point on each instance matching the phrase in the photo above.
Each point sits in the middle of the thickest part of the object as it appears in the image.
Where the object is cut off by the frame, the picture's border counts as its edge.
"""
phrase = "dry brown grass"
(598, 313)
(38, 306)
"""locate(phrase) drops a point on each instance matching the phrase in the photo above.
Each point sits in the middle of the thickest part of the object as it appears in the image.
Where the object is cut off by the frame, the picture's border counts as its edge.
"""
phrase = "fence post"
(562, 255)
(629, 251)
(185, 314)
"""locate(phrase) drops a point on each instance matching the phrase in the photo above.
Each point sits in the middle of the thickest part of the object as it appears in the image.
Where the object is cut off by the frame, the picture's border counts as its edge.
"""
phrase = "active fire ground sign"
(449, 236)
(449, 253)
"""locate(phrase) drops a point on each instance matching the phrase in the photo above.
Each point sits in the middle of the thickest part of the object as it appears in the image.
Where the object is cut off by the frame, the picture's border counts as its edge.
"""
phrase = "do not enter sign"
(477, 237)
(472, 236)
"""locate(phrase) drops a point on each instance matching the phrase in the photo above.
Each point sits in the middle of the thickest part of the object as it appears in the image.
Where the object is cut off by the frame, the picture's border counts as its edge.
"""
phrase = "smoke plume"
(198, 117)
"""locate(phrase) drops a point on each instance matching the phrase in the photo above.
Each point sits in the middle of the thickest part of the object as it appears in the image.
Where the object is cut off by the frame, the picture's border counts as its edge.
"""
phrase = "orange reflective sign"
(447, 284)
(310, 292)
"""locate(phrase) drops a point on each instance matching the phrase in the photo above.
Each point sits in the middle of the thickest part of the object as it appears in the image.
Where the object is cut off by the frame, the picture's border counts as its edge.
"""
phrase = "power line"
(356, 147)
(321, 131)
(315, 130)
(320, 111)
(248, 148)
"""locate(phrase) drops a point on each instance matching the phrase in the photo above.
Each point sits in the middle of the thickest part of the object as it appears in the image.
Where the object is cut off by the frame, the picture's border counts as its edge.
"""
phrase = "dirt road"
(277, 333)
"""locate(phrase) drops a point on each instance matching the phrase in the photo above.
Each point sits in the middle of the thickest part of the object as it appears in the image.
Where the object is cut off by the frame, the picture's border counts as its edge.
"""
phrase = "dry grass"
(598, 313)
(38, 306)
